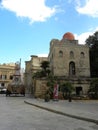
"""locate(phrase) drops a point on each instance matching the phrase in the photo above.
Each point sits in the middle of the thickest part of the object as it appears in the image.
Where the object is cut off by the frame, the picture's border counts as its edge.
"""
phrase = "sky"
(28, 26)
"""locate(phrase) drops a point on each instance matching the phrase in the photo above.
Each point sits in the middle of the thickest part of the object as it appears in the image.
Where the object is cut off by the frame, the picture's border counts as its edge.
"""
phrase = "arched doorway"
(71, 68)
(79, 90)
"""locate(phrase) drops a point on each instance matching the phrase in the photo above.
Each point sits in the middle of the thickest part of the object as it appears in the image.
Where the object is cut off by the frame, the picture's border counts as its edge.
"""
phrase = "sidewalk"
(83, 110)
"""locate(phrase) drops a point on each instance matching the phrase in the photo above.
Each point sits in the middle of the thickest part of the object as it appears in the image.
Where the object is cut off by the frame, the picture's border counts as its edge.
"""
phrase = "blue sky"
(28, 26)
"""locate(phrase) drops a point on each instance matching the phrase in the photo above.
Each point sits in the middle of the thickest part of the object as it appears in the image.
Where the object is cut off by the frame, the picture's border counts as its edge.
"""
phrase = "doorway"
(78, 90)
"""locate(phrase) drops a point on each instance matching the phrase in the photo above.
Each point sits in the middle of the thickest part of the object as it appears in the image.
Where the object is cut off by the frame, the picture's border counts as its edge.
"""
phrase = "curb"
(64, 114)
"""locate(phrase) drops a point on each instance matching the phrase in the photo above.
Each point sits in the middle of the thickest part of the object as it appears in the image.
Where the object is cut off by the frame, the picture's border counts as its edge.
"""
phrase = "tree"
(94, 88)
(37, 75)
(45, 68)
(67, 88)
(44, 72)
(50, 83)
(45, 65)
(92, 42)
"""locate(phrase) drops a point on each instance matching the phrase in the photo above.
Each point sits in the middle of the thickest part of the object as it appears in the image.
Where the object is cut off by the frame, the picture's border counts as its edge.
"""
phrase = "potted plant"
(47, 97)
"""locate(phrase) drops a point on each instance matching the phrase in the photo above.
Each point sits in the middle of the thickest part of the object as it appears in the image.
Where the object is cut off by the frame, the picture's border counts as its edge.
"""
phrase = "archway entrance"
(78, 90)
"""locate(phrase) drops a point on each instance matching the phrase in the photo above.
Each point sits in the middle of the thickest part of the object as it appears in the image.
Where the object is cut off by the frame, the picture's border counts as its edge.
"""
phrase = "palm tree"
(45, 68)
(44, 72)
(45, 65)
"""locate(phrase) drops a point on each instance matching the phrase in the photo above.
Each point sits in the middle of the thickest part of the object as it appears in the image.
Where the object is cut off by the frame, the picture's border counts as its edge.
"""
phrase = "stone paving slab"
(83, 110)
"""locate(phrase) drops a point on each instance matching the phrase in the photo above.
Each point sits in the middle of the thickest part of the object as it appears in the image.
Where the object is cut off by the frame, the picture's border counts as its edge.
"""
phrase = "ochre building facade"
(6, 74)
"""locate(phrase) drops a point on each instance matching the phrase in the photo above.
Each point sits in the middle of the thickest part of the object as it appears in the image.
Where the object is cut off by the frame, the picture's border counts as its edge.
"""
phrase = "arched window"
(82, 55)
(60, 53)
(71, 54)
(71, 68)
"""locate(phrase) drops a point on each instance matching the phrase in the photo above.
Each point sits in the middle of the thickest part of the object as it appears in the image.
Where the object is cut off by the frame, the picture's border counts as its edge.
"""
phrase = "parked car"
(3, 91)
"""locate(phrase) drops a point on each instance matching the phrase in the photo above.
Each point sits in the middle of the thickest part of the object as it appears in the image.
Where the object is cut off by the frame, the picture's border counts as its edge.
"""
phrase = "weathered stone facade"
(69, 61)
(40, 87)
(68, 58)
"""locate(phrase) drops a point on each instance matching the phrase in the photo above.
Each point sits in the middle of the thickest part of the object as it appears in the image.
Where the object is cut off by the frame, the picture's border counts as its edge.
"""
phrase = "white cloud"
(96, 29)
(34, 10)
(82, 37)
(42, 55)
(90, 8)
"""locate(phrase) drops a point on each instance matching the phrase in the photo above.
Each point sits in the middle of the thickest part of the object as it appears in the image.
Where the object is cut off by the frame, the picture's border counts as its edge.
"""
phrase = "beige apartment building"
(31, 67)
(6, 74)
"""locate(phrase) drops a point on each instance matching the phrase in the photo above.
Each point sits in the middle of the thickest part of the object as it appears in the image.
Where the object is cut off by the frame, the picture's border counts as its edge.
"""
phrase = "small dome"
(68, 36)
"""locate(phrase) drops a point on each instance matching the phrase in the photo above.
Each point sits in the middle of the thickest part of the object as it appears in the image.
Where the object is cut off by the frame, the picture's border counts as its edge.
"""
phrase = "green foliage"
(36, 75)
(50, 83)
(45, 65)
(67, 88)
(39, 74)
(44, 72)
(92, 42)
(93, 91)
(45, 68)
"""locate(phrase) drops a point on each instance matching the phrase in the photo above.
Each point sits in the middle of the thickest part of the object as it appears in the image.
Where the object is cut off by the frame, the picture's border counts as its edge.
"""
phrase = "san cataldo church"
(69, 61)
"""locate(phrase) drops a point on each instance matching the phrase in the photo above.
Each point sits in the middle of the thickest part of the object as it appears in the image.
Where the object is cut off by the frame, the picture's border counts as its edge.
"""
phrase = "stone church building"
(68, 58)
(70, 62)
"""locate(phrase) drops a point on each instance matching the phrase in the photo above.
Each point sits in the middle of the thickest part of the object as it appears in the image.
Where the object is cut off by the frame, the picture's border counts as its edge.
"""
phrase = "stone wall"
(40, 86)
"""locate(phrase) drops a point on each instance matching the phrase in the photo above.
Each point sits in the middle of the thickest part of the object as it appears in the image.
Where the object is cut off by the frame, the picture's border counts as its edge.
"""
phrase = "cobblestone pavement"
(17, 115)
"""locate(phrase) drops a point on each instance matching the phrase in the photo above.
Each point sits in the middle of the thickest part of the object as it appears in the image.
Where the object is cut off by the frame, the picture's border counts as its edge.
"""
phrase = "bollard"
(70, 99)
